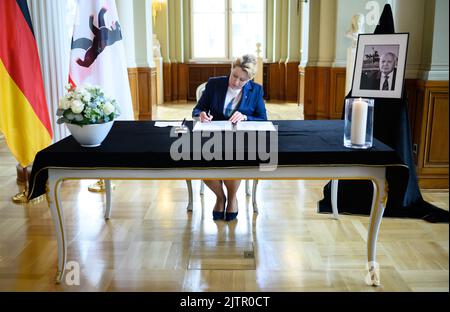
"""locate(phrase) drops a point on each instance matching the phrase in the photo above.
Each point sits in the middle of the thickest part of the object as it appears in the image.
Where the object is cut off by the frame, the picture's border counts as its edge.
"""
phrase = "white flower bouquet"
(86, 105)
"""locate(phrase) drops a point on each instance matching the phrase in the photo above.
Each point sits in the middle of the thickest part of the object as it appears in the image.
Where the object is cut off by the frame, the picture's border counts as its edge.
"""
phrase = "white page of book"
(225, 125)
(162, 124)
(215, 125)
(255, 126)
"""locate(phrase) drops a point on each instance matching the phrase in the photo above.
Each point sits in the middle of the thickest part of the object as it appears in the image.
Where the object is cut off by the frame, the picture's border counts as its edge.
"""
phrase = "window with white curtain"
(224, 29)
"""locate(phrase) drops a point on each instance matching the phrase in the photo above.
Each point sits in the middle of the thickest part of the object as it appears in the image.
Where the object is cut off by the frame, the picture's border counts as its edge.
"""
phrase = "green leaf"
(69, 115)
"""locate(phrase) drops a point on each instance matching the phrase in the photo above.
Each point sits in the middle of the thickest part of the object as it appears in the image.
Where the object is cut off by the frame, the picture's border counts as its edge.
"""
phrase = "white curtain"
(53, 42)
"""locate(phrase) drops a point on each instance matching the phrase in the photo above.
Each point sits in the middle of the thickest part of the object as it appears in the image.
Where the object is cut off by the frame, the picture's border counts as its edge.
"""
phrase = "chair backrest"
(199, 92)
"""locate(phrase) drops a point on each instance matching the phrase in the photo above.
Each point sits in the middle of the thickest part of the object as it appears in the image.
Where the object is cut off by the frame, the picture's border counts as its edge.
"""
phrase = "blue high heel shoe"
(219, 215)
(230, 216)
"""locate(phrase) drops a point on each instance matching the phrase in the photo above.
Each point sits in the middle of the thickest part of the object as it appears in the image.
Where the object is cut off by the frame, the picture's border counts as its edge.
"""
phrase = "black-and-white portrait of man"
(379, 70)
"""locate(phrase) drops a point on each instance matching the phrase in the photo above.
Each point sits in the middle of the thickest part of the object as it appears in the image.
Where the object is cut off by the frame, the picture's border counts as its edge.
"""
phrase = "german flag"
(24, 118)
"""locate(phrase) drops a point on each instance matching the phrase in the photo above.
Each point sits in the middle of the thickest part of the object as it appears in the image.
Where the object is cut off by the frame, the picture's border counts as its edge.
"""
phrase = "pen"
(182, 123)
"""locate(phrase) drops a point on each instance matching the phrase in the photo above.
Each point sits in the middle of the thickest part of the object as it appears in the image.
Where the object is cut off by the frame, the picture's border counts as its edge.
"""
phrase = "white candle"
(359, 122)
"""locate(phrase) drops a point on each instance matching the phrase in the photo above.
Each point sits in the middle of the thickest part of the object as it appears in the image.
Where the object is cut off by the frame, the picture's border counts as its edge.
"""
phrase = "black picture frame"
(380, 64)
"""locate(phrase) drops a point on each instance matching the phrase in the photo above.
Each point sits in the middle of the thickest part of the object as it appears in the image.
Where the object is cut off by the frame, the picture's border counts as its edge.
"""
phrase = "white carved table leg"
(376, 214)
(255, 205)
(247, 188)
(191, 197)
(108, 199)
(334, 197)
(202, 187)
(54, 202)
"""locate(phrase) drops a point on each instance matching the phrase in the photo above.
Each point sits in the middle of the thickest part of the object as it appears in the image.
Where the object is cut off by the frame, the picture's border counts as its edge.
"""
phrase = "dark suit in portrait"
(374, 80)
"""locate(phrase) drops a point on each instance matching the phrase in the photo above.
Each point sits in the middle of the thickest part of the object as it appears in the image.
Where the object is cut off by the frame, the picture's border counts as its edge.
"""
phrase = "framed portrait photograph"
(380, 65)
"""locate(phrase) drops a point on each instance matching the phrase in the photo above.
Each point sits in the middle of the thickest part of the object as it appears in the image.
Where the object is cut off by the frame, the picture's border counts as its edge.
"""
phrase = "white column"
(158, 60)
(53, 42)
(438, 68)
(294, 32)
(409, 16)
(259, 65)
(351, 55)
(143, 33)
(161, 30)
(326, 32)
(126, 18)
(304, 39)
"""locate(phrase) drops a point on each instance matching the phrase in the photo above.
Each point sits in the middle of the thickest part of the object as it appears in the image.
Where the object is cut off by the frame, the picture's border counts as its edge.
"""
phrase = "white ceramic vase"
(90, 135)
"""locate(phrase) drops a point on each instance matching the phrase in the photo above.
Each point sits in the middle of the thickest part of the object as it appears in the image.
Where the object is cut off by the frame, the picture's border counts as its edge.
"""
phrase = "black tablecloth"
(139, 144)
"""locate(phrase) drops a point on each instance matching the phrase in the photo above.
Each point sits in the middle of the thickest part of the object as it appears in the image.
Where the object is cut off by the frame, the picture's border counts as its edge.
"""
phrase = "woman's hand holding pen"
(204, 117)
(237, 116)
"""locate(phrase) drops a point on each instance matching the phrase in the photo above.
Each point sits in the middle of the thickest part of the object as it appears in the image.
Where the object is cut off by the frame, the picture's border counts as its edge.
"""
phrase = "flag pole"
(22, 197)
(97, 187)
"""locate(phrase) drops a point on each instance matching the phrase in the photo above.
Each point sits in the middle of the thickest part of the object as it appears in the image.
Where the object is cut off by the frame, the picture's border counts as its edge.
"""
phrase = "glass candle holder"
(358, 127)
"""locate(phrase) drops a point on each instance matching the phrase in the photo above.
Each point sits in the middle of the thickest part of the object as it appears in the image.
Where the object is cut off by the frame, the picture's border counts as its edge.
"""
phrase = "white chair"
(198, 94)
(199, 91)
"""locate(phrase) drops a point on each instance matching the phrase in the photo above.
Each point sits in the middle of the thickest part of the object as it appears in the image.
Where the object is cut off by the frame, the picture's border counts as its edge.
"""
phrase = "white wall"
(345, 9)
(439, 55)
(425, 20)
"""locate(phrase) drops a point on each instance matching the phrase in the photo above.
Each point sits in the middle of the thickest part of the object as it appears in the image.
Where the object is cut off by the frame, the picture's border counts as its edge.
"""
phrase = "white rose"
(64, 103)
(78, 95)
(77, 106)
(108, 108)
(86, 97)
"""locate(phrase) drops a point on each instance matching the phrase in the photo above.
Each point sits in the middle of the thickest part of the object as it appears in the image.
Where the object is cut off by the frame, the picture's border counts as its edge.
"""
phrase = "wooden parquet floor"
(152, 244)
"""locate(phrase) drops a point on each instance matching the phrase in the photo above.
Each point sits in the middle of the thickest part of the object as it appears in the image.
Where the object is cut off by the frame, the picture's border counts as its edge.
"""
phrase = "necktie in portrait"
(386, 83)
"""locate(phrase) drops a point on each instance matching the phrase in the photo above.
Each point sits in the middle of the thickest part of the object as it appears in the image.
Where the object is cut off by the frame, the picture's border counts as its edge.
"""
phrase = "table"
(138, 150)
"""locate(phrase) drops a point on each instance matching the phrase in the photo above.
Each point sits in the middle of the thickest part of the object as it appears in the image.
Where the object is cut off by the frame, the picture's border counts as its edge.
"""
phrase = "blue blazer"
(213, 99)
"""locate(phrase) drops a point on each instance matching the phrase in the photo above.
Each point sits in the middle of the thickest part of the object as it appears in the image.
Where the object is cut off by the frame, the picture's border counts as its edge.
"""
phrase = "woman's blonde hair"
(247, 63)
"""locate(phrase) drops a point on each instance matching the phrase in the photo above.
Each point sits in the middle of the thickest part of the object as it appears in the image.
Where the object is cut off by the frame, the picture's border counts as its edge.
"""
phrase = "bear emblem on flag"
(103, 37)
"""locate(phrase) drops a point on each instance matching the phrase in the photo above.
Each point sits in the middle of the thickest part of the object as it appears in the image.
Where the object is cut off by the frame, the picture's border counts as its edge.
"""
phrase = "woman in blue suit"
(235, 98)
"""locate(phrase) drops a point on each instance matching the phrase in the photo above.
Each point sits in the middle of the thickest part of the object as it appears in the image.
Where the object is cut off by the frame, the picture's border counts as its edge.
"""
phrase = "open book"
(225, 125)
